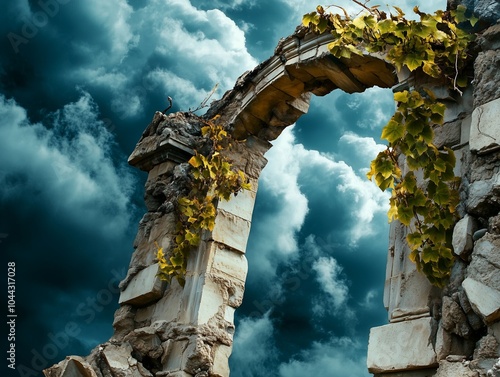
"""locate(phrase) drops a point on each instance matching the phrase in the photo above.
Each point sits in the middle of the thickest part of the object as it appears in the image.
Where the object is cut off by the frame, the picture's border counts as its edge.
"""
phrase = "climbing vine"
(214, 179)
(435, 46)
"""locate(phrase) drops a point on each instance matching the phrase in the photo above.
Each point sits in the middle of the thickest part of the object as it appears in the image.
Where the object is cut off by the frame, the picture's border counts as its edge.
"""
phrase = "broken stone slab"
(462, 236)
(144, 288)
(401, 346)
(485, 301)
(146, 342)
(484, 131)
(72, 366)
(455, 369)
(121, 362)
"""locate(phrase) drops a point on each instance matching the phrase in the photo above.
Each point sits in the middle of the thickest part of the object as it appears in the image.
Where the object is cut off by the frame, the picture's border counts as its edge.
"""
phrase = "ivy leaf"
(392, 214)
(409, 183)
(386, 26)
(393, 131)
(401, 96)
(418, 199)
(440, 165)
(405, 214)
(427, 134)
(195, 161)
(413, 60)
(384, 183)
(414, 239)
(442, 194)
(415, 126)
(432, 69)
(310, 18)
(429, 254)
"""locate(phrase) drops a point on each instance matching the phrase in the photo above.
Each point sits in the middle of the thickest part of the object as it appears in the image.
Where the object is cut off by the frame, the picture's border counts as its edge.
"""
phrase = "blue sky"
(80, 81)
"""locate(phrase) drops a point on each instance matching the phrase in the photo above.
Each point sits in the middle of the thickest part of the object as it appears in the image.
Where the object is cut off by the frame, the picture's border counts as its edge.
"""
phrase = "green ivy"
(434, 46)
(214, 179)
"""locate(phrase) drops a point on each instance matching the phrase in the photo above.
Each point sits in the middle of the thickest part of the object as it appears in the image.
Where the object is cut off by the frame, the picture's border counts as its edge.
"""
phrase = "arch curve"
(277, 92)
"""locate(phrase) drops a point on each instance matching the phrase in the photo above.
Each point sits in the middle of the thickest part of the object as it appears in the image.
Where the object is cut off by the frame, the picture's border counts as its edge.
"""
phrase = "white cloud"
(337, 357)
(275, 235)
(69, 164)
(364, 198)
(329, 277)
(254, 351)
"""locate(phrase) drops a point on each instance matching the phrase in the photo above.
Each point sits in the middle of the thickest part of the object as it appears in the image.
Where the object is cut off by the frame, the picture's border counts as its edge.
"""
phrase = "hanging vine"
(214, 179)
(436, 47)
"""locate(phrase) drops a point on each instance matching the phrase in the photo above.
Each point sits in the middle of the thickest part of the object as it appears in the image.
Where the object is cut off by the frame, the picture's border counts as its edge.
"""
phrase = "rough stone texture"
(462, 237)
(484, 131)
(408, 348)
(484, 300)
(486, 261)
(454, 319)
(484, 196)
(458, 369)
(144, 288)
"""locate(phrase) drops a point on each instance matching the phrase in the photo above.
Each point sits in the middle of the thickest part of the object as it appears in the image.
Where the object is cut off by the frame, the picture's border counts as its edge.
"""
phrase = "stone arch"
(167, 330)
(276, 93)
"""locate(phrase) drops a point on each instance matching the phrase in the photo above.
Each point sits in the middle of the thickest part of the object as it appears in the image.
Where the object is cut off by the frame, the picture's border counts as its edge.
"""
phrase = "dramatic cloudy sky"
(80, 80)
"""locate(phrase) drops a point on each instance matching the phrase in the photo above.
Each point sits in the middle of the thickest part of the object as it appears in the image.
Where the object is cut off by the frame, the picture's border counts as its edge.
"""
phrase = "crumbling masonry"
(167, 330)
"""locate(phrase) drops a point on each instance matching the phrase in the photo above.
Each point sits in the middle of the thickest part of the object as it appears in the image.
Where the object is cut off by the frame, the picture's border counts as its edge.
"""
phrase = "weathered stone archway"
(167, 330)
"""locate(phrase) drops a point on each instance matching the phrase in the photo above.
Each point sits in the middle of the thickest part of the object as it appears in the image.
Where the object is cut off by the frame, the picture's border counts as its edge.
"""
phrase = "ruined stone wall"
(167, 330)
(455, 331)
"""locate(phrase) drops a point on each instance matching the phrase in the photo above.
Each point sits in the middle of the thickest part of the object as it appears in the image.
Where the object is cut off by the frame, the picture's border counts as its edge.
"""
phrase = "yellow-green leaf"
(393, 131)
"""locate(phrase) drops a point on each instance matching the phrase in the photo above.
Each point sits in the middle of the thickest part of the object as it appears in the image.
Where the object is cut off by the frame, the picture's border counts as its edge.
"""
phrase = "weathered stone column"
(454, 331)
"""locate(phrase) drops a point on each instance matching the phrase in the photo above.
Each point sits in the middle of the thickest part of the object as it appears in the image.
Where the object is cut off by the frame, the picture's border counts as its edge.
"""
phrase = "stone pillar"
(189, 330)
(454, 331)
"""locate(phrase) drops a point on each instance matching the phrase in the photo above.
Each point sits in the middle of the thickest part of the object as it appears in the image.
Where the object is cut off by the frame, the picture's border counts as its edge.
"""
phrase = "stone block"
(448, 369)
(401, 346)
(119, 358)
(484, 197)
(144, 288)
(220, 366)
(168, 307)
(212, 297)
(486, 77)
(462, 236)
(454, 319)
(240, 205)
(485, 130)
(448, 134)
(231, 230)
(409, 295)
(485, 301)
(230, 263)
(485, 261)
